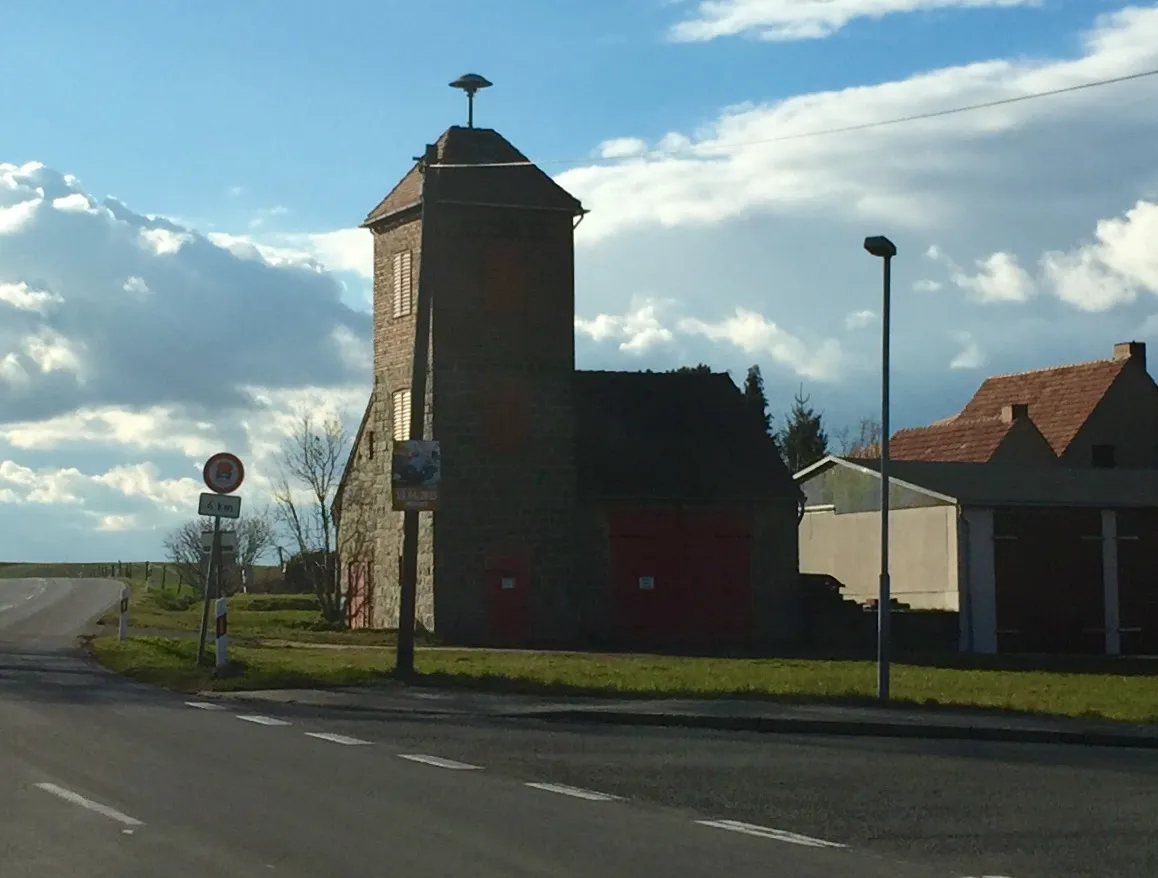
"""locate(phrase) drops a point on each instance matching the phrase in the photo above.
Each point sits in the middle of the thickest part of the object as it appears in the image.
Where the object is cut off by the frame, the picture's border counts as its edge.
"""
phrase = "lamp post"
(882, 247)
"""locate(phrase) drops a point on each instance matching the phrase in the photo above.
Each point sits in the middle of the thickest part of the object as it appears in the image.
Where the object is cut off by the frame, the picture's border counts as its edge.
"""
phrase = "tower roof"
(482, 167)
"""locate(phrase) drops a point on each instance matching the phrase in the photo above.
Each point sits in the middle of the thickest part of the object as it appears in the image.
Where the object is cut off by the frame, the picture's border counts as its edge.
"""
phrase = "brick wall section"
(501, 501)
(1127, 418)
(1023, 444)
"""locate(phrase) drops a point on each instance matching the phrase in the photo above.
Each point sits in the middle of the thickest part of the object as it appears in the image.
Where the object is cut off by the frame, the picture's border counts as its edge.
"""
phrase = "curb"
(869, 728)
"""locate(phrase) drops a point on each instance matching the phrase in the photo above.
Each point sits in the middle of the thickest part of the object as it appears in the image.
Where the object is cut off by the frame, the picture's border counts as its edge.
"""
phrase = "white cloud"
(970, 356)
(1121, 262)
(70, 486)
(262, 216)
(25, 298)
(755, 334)
(622, 147)
(350, 250)
(162, 241)
(746, 159)
(117, 523)
(859, 319)
(927, 286)
(137, 286)
(999, 279)
(221, 313)
(637, 331)
(802, 19)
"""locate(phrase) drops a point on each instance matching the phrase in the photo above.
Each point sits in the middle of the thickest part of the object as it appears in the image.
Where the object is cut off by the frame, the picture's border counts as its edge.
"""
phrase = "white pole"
(222, 641)
(123, 626)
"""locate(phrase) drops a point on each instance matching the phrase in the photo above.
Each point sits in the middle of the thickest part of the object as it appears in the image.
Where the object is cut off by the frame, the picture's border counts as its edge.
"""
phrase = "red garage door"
(1138, 580)
(1048, 579)
(682, 578)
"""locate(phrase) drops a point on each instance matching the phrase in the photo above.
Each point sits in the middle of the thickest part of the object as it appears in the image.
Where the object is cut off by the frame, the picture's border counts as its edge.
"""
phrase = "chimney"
(1134, 351)
(1015, 412)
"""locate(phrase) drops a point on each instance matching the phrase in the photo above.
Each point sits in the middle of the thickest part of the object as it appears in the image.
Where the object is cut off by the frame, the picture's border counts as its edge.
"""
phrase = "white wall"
(922, 553)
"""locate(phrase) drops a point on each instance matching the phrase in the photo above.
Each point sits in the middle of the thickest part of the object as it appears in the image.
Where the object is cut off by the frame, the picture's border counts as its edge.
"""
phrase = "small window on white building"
(403, 284)
(400, 415)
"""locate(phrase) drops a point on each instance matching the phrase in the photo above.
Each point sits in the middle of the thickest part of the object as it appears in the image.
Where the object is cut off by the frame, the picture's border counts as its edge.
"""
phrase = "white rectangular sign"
(220, 505)
(228, 541)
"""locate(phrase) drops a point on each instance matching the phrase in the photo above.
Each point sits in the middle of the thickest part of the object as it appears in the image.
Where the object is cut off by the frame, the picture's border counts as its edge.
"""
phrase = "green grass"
(252, 617)
(169, 662)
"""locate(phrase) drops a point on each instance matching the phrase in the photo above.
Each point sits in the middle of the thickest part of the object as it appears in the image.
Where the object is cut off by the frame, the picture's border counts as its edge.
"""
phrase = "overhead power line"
(825, 132)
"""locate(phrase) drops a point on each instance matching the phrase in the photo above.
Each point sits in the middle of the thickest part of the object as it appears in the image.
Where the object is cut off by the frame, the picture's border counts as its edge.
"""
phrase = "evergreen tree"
(701, 369)
(756, 397)
(802, 439)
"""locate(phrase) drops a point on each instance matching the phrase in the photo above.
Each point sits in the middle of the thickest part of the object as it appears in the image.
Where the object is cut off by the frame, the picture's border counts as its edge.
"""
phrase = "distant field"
(128, 569)
(26, 569)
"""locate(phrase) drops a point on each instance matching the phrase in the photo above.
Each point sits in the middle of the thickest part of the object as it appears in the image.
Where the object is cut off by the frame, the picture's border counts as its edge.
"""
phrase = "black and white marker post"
(123, 626)
(223, 474)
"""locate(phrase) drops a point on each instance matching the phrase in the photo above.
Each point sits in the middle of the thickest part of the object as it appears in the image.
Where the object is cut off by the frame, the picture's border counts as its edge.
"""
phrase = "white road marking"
(78, 799)
(336, 739)
(439, 762)
(774, 834)
(204, 705)
(263, 720)
(574, 792)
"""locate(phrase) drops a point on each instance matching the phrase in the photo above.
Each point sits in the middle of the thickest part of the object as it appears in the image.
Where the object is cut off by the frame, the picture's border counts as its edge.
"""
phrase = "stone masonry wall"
(504, 379)
(371, 530)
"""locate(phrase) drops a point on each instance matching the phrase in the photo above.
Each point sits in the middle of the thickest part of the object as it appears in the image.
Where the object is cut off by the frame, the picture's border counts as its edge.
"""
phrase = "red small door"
(508, 597)
(359, 595)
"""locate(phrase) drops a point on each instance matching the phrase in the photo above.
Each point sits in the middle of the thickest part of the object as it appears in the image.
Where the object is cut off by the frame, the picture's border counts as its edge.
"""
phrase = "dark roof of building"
(996, 484)
(515, 183)
(666, 435)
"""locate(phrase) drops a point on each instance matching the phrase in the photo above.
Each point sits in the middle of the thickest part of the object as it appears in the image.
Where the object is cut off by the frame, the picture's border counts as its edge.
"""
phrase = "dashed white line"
(78, 799)
(767, 832)
(574, 792)
(204, 705)
(439, 762)
(263, 720)
(336, 739)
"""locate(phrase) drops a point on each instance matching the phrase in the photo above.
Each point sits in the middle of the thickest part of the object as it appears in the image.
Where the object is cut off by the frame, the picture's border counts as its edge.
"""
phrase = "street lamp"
(882, 247)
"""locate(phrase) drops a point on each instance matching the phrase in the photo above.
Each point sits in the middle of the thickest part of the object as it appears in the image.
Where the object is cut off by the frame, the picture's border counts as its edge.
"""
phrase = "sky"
(181, 184)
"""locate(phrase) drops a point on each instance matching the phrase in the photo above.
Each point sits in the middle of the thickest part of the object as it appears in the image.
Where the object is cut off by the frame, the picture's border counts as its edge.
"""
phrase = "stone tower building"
(494, 247)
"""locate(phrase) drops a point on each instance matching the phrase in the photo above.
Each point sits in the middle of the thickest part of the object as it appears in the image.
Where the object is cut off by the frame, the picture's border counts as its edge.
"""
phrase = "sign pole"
(408, 584)
(205, 599)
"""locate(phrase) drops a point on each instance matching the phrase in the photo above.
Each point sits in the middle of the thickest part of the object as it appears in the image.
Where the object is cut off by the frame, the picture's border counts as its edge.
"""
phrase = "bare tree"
(864, 442)
(255, 536)
(183, 550)
(309, 471)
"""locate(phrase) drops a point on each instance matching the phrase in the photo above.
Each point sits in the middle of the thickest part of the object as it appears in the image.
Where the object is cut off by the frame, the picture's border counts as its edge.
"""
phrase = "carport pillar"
(1110, 582)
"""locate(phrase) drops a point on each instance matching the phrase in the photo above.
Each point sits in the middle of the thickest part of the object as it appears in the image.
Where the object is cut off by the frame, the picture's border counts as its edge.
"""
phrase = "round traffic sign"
(223, 473)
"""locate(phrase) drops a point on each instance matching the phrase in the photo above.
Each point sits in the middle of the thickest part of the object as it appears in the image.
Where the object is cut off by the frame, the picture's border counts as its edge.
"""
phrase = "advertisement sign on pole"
(415, 474)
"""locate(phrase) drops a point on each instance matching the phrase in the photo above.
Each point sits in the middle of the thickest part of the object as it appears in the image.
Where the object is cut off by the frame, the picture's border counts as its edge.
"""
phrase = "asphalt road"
(99, 777)
(229, 789)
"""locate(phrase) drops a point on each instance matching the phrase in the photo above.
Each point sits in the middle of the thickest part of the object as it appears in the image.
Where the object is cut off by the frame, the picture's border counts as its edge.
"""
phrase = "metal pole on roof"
(882, 247)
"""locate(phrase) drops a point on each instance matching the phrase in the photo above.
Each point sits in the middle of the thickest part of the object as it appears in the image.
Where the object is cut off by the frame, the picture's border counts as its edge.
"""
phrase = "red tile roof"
(1060, 399)
(964, 440)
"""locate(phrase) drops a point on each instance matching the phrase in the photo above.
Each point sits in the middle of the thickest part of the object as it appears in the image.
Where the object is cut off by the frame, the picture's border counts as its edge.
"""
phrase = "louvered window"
(400, 415)
(403, 284)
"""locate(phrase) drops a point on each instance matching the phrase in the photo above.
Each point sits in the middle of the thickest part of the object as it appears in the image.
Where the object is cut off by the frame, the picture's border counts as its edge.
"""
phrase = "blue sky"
(169, 103)
(243, 143)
